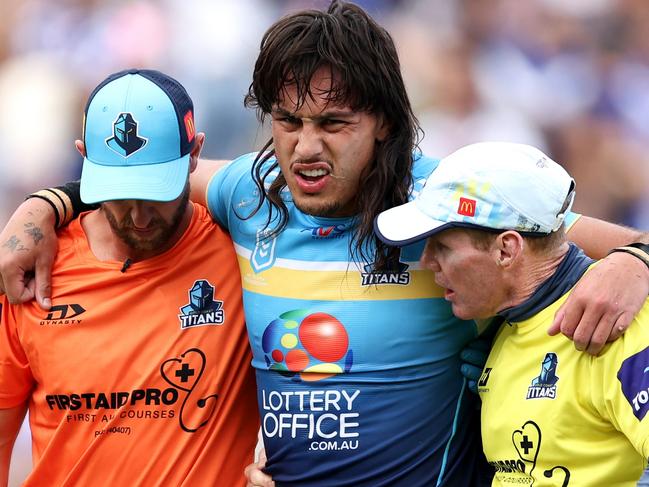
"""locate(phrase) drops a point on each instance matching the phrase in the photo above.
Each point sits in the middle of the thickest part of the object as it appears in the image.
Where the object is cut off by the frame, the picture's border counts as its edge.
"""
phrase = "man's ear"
(196, 151)
(508, 247)
(383, 128)
(81, 147)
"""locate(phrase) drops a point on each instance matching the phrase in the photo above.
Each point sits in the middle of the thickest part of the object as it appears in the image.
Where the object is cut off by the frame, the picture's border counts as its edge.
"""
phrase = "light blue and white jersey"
(358, 372)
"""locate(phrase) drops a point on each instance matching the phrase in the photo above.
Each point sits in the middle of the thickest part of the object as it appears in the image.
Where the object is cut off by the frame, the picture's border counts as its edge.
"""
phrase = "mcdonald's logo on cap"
(466, 207)
(189, 125)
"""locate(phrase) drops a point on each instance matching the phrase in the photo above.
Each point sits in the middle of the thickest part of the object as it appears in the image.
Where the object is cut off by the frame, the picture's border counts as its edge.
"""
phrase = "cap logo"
(466, 207)
(189, 125)
(125, 140)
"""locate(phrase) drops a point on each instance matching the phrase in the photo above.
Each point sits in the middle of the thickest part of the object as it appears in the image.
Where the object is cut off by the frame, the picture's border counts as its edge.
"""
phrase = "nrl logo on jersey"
(399, 276)
(202, 308)
(263, 256)
(545, 385)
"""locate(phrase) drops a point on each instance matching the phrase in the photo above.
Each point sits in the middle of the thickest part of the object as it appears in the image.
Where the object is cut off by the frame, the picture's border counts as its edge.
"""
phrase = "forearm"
(72, 205)
(35, 215)
(597, 237)
(200, 179)
(28, 245)
(595, 313)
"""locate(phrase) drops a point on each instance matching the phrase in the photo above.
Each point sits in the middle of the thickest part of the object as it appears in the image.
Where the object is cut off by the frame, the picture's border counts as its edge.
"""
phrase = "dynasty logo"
(202, 308)
(484, 378)
(63, 314)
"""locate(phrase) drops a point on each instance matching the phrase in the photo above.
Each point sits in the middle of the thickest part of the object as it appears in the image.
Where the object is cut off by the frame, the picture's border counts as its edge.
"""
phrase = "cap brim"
(164, 181)
(405, 224)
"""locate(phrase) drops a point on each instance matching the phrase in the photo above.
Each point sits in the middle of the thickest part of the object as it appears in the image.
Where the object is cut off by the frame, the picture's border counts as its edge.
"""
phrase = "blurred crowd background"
(569, 76)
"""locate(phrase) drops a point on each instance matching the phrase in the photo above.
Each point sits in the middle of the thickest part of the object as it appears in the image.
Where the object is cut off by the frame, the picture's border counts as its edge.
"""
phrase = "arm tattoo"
(34, 231)
(14, 244)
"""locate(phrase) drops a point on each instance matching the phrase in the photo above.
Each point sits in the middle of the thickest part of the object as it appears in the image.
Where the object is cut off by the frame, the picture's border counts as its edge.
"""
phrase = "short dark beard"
(120, 229)
(326, 211)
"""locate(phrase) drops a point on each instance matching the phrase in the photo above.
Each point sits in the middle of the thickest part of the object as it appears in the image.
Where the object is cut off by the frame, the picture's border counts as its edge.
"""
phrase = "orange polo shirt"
(138, 378)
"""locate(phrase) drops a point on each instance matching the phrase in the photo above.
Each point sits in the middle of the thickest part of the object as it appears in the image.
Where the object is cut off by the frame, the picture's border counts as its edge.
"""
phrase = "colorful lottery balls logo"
(313, 345)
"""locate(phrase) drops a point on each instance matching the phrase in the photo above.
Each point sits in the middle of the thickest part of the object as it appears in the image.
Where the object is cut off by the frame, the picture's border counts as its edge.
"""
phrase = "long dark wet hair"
(367, 77)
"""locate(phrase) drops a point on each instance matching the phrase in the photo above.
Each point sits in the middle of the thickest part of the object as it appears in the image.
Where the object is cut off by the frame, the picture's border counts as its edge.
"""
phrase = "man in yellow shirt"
(494, 214)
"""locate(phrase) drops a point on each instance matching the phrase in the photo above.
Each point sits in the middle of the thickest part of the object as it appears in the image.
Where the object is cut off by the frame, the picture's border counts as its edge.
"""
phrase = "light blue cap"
(132, 135)
(488, 185)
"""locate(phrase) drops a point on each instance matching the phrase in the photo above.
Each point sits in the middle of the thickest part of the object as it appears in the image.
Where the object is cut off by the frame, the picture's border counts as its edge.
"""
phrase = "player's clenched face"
(469, 275)
(323, 149)
(146, 226)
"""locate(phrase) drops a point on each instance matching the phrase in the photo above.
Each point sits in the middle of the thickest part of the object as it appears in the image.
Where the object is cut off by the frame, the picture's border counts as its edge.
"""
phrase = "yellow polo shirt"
(552, 415)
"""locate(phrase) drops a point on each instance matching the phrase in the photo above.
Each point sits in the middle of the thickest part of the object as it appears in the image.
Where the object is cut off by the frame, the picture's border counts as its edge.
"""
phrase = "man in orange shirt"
(140, 372)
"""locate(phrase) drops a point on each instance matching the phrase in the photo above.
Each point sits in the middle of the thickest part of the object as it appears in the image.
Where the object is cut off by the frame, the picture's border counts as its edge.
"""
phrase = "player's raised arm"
(28, 242)
(201, 177)
(594, 314)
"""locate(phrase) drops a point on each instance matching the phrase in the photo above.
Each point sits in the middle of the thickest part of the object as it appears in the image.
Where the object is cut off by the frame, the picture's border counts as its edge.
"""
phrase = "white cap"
(489, 185)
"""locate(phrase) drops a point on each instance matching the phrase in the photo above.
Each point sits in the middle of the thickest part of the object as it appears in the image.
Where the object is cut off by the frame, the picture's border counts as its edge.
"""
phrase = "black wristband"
(639, 245)
(64, 217)
(72, 189)
(637, 249)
